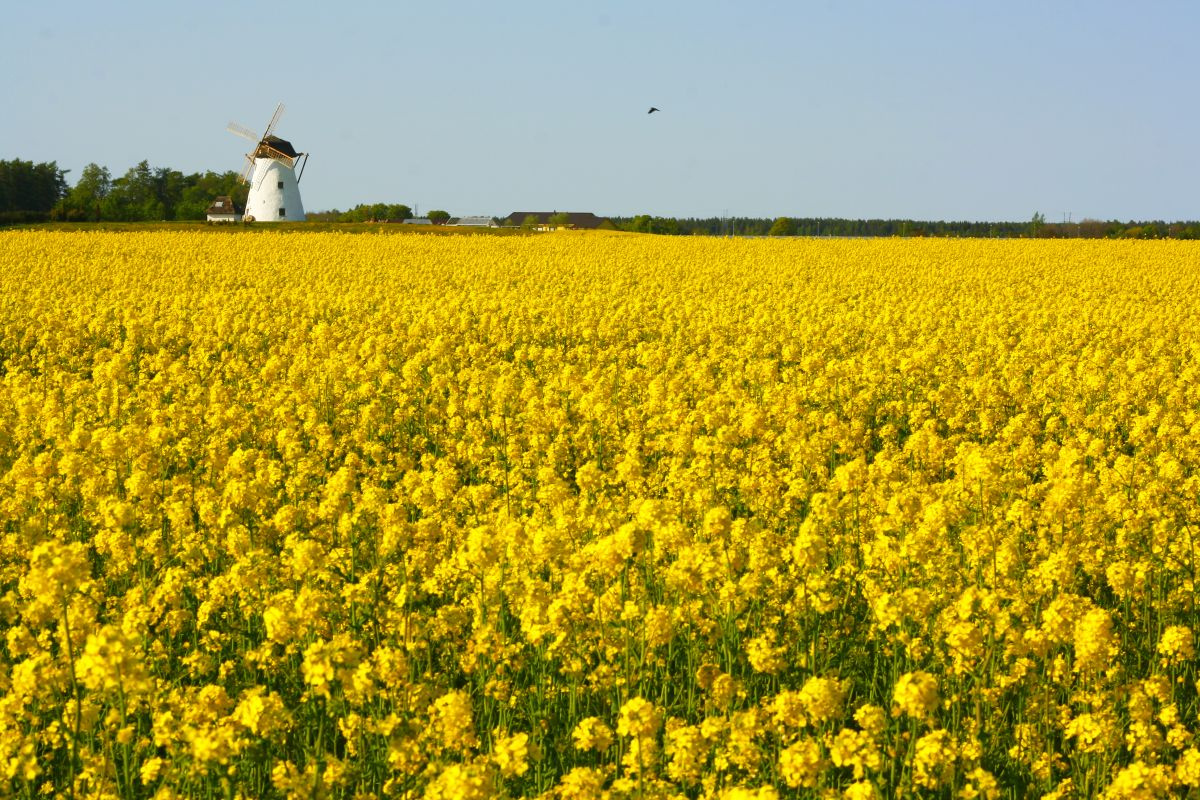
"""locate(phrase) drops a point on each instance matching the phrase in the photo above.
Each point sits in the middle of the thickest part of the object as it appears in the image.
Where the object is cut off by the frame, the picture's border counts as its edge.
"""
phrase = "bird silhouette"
(652, 110)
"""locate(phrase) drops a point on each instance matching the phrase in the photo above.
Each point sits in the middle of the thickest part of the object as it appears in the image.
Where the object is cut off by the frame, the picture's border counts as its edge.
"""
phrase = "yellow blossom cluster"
(597, 516)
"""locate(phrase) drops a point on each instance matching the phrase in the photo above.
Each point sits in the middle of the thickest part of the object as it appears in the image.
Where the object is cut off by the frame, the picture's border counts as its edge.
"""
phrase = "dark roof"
(275, 143)
(223, 205)
(576, 219)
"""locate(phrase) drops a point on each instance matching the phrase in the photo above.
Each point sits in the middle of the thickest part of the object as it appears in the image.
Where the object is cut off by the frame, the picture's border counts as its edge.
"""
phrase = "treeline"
(1037, 227)
(39, 193)
(364, 212)
(29, 191)
(32, 193)
(377, 212)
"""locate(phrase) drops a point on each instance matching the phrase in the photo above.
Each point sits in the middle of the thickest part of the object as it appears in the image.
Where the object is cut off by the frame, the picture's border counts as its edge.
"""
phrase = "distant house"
(418, 221)
(223, 210)
(476, 222)
(540, 220)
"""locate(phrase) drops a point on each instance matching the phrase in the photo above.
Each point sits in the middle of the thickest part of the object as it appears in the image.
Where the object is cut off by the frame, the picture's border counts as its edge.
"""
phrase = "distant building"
(223, 210)
(476, 222)
(541, 220)
(417, 221)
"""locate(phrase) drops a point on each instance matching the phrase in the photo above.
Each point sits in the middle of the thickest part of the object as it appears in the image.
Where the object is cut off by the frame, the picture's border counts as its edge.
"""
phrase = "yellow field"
(315, 515)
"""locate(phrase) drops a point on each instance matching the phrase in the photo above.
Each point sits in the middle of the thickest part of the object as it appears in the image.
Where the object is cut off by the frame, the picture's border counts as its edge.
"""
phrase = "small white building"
(223, 210)
(418, 221)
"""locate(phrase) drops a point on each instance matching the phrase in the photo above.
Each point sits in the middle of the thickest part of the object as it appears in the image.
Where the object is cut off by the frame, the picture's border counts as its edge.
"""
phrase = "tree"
(1036, 224)
(85, 201)
(559, 219)
(642, 223)
(200, 189)
(783, 226)
(398, 212)
(438, 217)
(29, 191)
(135, 196)
(531, 222)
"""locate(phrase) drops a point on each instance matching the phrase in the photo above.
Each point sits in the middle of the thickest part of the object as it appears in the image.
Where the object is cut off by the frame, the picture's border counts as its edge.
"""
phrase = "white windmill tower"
(271, 172)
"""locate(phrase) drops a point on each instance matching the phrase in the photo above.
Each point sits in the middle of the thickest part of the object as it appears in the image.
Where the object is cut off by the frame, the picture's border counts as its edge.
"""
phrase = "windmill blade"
(274, 121)
(242, 131)
(246, 170)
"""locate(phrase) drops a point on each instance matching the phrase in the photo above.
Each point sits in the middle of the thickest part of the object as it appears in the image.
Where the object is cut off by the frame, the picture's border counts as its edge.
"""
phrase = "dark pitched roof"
(223, 205)
(576, 219)
(275, 143)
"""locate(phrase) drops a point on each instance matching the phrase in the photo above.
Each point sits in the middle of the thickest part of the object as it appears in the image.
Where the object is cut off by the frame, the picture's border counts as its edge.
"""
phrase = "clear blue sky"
(929, 110)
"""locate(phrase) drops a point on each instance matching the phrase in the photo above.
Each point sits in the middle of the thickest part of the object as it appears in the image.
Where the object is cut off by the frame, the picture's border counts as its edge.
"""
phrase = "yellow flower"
(861, 790)
(916, 694)
(822, 698)
(511, 754)
(934, 758)
(639, 718)
(462, 782)
(1095, 641)
(581, 783)
(871, 718)
(1176, 645)
(687, 747)
(451, 722)
(1187, 768)
(592, 734)
(111, 662)
(764, 655)
(800, 763)
(856, 749)
(1140, 781)
(260, 712)
(980, 784)
(56, 572)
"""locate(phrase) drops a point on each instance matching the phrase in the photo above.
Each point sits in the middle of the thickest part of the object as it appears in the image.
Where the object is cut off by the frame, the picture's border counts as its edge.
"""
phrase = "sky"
(934, 110)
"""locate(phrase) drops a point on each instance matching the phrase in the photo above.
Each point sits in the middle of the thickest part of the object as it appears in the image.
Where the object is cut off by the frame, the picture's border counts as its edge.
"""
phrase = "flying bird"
(652, 110)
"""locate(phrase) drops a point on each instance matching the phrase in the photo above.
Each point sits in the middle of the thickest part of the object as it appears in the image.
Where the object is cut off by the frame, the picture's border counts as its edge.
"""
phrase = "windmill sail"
(270, 171)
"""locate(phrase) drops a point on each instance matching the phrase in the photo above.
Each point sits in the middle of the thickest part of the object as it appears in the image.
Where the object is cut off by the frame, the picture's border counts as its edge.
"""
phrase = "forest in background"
(39, 192)
(1036, 227)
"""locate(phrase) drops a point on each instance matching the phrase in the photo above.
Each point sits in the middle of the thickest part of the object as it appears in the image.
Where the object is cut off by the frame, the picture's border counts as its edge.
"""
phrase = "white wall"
(266, 196)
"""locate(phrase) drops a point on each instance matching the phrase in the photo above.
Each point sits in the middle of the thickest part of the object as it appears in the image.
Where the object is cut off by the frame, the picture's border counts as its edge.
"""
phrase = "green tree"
(29, 191)
(438, 217)
(135, 196)
(1037, 224)
(84, 203)
(377, 212)
(783, 226)
(169, 185)
(200, 189)
(642, 223)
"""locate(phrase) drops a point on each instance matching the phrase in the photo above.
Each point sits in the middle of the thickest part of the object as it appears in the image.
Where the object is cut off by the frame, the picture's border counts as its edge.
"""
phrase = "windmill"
(271, 173)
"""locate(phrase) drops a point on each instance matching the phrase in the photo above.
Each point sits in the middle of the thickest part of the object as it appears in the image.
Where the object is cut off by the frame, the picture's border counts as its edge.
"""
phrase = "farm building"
(223, 210)
(476, 222)
(541, 220)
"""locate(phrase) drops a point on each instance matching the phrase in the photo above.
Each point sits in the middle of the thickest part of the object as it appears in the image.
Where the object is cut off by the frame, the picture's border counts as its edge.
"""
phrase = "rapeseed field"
(597, 516)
